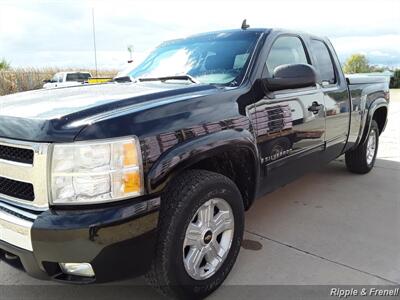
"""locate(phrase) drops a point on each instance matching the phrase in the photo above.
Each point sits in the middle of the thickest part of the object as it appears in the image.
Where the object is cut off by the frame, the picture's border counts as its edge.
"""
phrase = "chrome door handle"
(315, 107)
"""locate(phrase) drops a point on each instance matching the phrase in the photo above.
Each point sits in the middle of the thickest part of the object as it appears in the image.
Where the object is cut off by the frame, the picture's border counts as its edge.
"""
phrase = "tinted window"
(78, 76)
(55, 78)
(323, 61)
(219, 58)
(286, 50)
(240, 60)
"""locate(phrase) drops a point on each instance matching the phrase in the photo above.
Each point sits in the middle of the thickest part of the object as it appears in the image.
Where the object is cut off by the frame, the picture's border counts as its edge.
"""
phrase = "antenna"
(94, 41)
(245, 25)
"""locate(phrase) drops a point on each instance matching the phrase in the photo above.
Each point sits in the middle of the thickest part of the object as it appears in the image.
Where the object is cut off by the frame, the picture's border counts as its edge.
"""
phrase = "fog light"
(78, 269)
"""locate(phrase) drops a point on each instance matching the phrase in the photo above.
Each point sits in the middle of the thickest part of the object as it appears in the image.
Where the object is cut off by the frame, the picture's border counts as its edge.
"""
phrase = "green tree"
(4, 65)
(356, 63)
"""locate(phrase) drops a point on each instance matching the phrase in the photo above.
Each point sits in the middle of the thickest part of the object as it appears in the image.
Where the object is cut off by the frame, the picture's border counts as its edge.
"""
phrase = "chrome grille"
(17, 189)
(21, 155)
(23, 182)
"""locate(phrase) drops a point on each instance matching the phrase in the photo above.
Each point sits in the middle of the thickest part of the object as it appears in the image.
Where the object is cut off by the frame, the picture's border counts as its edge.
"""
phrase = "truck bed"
(353, 79)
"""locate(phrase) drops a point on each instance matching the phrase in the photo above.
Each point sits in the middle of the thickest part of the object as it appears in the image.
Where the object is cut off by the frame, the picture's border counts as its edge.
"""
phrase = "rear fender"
(378, 103)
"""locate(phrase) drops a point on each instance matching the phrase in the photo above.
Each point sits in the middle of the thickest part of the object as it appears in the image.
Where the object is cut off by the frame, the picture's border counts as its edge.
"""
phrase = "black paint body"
(271, 137)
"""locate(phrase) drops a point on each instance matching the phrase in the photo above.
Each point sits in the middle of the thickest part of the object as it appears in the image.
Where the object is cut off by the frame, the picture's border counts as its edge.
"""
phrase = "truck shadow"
(317, 188)
(332, 213)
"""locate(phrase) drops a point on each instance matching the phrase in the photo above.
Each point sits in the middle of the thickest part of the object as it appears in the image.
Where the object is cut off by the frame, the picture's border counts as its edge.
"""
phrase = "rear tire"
(190, 197)
(361, 160)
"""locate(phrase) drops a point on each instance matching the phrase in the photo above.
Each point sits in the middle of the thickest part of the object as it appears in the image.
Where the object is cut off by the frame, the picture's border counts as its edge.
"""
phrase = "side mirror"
(292, 76)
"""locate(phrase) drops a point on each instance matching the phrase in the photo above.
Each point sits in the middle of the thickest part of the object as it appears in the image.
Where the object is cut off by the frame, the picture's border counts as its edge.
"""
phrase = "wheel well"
(380, 117)
(238, 165)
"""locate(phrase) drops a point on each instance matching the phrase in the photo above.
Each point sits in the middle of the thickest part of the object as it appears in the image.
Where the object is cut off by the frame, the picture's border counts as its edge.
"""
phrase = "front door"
(289, 124)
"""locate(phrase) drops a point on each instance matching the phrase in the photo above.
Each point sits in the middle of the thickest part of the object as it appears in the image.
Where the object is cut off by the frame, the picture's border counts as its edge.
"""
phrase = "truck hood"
(49, 115)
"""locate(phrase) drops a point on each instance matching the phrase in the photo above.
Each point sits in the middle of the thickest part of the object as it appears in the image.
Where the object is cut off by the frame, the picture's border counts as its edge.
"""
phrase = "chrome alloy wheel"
(208, 239)
(371, 146)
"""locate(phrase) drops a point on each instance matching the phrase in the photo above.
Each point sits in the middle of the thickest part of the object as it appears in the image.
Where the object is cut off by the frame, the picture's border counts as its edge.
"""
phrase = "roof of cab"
(229, 32)
(232, 31)
(220, 33)
(252, 30)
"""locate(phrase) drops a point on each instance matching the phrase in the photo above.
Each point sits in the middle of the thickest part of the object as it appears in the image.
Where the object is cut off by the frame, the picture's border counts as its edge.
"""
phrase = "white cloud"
(59, 33)
(384, 49)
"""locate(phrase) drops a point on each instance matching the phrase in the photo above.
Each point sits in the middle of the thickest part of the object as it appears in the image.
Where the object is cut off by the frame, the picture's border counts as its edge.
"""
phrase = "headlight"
(96, 172)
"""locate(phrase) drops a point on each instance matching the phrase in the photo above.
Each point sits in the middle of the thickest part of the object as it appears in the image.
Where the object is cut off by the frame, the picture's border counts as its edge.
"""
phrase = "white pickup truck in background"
(63, 79)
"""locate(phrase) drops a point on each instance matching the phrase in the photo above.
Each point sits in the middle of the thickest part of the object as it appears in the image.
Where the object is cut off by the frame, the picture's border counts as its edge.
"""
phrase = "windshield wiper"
(122, 79)
(172, 77)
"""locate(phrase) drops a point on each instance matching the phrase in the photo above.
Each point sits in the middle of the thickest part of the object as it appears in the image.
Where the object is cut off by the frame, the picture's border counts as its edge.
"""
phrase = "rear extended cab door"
(290, 132)
(336, 95)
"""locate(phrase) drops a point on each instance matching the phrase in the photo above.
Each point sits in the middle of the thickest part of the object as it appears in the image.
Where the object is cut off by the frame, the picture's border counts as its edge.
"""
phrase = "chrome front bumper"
(15, 226)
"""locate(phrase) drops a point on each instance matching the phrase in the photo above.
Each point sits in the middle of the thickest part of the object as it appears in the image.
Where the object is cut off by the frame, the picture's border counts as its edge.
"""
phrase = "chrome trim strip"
(336, 140)
(15, 172)
(15, 163)
(17, 144)
(22, 212)
(15, 231)
(21, 203)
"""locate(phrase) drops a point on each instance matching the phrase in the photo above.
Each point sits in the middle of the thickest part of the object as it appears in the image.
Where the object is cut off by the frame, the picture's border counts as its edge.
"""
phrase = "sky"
(59, 33)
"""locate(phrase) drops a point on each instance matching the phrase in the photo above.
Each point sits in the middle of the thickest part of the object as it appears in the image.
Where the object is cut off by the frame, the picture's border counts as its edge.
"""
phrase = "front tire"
(200, 232)
(362, 159)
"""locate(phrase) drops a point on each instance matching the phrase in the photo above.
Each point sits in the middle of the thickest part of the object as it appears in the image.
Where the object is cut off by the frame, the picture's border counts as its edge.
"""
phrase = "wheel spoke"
(371, 146)
(194, 258)
(193, 235)
(222, 222)
(206, 214)
(213, 253)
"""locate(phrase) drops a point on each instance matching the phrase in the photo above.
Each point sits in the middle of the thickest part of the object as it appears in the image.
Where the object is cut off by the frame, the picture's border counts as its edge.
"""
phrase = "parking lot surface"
(329, 227)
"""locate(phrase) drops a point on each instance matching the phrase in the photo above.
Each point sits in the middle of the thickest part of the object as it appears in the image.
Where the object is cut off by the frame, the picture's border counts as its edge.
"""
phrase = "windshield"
(219, 58)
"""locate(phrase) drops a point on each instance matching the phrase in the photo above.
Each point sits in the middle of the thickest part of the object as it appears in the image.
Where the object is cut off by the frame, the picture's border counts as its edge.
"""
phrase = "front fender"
(189, 152)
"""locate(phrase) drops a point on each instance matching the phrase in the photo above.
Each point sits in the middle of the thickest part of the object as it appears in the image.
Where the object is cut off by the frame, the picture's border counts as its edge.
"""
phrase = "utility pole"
(130, 50)
(94, 41)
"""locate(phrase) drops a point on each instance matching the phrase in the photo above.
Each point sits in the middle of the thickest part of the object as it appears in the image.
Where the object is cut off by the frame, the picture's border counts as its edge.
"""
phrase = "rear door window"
(323, 61)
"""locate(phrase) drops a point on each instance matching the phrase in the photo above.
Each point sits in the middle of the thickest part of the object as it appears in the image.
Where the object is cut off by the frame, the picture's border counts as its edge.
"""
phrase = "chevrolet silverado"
(152, 173)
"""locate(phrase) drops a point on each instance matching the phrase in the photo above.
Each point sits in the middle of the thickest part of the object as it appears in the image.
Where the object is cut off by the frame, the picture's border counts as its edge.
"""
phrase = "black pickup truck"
(152, 173)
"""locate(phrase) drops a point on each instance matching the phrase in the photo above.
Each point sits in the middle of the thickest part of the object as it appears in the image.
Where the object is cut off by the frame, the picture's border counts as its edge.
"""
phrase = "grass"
(25, 79)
